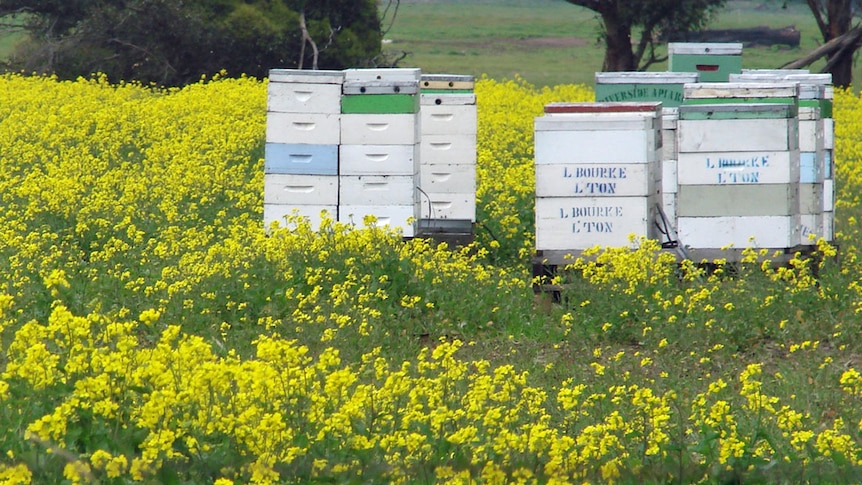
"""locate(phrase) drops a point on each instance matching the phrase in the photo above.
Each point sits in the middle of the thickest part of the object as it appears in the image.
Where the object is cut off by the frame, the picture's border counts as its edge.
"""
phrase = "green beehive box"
(379, 103)
(714, 62)
(737, 111)
(664, 87)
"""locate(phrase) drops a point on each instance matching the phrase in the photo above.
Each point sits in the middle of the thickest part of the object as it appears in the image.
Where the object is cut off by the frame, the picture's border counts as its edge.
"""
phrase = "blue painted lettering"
(739, 178)
(591, 211)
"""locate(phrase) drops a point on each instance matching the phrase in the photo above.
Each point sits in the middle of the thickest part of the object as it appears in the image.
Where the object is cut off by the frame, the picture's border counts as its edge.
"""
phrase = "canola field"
(153, 331)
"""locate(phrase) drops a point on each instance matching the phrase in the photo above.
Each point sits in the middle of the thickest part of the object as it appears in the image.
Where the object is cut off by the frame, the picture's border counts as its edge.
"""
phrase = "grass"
(551, 42)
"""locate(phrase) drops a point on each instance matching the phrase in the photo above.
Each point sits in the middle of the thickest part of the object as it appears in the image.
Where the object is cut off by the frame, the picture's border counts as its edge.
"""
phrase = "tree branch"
(389, 4)
(307, 38)
(850, 38)
(818, 16)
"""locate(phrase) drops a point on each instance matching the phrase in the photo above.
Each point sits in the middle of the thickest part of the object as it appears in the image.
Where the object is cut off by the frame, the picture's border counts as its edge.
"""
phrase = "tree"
(174, 43)
(651, 19)
(834, 19)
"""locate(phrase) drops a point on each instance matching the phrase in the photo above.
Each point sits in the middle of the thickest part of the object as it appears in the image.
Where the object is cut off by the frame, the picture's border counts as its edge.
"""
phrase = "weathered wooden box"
(596, 180)
(577, 223)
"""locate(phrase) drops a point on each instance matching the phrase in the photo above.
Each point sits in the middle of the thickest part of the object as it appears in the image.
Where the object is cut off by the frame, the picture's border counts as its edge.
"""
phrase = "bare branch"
(389, 4)
(818, 16)
(307, 38)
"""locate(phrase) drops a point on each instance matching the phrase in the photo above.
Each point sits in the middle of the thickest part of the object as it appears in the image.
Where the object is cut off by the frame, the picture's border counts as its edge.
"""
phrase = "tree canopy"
(174, 43)
(650, 20)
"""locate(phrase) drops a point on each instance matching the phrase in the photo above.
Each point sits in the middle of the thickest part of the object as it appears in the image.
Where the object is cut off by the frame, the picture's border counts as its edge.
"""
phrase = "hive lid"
(306, 76)
(627, 77)
(752, 89)
(447, 78)
(705, 48)
(609, 107)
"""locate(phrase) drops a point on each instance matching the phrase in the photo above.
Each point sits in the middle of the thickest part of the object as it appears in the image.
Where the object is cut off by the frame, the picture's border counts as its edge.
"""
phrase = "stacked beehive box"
(379, 152)
(302, 138)
(714, 62)
(815, 154)
(449, 126)
(738, 169)
(826, 126)
(597, 174)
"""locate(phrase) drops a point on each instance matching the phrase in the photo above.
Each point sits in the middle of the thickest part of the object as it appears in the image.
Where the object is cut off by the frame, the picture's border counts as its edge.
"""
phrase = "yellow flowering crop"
(153, 330)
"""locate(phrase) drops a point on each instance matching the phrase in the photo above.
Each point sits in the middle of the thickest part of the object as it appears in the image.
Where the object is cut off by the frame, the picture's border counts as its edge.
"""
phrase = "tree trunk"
(619, 55)
(838, 18)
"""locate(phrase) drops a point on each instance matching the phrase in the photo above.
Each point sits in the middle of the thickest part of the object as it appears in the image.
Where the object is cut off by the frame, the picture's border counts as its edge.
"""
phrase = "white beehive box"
(393, 216)
(754, 167)
(624, 146)
(595, 180)
(739, 232)
(443, 115)
(377, 159)
(455, 178)
(828, 133)
(304, 98)
(828, 226)
(278, 212)
(669, 148)
(379, 129)
(433, 205)
(577, 223)
(303, 128)
(828, 195)
(810, 224)
(376, 190)
(442, 149)
(753, 127)
(300, 189)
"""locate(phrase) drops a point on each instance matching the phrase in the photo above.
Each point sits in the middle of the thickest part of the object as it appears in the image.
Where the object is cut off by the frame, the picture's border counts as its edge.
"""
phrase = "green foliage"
(173, 44)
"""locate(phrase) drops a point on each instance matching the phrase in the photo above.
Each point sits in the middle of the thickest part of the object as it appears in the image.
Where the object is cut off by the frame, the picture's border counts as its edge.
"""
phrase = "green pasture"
(551, 42)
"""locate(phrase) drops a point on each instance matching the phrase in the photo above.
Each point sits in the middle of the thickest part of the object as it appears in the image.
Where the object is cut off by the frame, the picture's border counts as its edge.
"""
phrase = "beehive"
(449, 125)
(302, 138)
(598, 174)
(379, 151)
